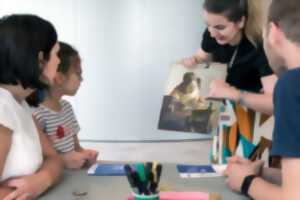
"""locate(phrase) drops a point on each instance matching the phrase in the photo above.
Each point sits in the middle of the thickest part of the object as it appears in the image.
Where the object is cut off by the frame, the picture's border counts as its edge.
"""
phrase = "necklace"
(233, 58)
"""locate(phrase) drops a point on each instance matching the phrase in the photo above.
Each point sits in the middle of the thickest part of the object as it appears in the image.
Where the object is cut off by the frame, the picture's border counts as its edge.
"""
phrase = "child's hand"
(91, 155)
(27, 187)
(74, 160)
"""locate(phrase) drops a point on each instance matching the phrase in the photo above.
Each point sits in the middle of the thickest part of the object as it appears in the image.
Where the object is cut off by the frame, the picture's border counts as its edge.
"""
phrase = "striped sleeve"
(39, 116)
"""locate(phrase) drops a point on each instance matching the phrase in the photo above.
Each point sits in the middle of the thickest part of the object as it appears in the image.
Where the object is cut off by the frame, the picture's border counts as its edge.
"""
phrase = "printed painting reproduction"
(184, 107)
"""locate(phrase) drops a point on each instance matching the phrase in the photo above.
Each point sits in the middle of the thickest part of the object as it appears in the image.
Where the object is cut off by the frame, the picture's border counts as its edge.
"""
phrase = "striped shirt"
(60, 127)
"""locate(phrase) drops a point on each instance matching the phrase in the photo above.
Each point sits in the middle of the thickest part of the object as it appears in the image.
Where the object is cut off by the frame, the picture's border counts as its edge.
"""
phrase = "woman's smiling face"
(221, 29)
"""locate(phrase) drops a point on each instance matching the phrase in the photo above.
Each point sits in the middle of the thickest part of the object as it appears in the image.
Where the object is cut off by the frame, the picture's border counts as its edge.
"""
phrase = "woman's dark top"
(248, 67)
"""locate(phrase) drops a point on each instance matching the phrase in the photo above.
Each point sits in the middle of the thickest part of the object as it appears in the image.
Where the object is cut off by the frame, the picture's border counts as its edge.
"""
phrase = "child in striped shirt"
(55, 115)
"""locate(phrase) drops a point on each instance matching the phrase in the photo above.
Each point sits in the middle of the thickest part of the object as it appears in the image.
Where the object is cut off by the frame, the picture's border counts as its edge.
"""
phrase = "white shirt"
(25, 153)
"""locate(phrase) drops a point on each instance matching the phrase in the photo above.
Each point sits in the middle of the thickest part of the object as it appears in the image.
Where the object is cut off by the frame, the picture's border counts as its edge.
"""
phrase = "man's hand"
(238, 160)
(238, 169)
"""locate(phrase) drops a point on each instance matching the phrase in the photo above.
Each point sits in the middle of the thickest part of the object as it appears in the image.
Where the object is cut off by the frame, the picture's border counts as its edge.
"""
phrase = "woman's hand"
(27, 187)
(219, 89)
(189, 62)
(199, 57)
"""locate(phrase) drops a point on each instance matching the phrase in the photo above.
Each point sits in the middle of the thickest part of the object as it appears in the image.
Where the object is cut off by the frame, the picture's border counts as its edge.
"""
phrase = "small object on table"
(79, 193)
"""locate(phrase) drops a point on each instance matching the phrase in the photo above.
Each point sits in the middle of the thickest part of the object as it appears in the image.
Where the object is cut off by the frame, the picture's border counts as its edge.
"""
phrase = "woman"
(234, 36)
(28, 61)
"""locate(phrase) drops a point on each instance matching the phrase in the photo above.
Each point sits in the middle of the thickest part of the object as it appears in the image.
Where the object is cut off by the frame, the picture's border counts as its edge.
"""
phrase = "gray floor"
(175, 152)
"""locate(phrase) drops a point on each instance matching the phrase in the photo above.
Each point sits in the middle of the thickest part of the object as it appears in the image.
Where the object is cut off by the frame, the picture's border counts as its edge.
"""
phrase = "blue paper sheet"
(99, 169)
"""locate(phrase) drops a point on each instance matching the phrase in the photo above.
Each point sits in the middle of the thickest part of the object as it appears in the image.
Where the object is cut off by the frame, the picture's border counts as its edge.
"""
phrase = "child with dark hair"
(28, 61)
(55, 115)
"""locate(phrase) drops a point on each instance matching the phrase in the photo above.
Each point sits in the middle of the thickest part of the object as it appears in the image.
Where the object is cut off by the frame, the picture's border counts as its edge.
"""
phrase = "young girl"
(56, 117)
(28, 61)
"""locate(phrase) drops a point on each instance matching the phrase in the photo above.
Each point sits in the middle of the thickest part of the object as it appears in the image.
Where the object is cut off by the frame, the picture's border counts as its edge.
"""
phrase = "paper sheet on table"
(99, 169)
(199, 171)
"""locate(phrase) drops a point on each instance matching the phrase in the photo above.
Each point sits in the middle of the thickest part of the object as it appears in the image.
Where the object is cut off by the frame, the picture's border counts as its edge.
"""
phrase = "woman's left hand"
(26, 187)
(219, 89)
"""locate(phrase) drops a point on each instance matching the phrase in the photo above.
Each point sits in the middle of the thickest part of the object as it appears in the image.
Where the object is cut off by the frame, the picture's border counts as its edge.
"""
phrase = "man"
(282, 45)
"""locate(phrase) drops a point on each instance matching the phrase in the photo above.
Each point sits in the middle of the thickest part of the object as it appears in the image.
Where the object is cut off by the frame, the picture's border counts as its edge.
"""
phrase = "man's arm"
(291, 178)
(272, 175)
(263, 190)
(238, 169)
(260, 188)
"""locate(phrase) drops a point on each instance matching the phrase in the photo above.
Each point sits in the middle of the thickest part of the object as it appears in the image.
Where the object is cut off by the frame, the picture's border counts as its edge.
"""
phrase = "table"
(117, 188)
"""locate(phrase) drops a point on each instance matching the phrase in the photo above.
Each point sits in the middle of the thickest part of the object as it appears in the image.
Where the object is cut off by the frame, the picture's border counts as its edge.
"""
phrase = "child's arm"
(53, 165)
(90, 154)
(74, 160)
(77, 144)
(5, 142)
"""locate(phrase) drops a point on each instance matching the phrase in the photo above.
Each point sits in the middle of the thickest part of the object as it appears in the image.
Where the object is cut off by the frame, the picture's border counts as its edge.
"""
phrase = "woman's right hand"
(199, 57)
(188, 62)
(74, 160)
(27, 187)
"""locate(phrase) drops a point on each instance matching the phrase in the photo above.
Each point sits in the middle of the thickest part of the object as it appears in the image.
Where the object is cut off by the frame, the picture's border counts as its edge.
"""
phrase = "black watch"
(247, 183)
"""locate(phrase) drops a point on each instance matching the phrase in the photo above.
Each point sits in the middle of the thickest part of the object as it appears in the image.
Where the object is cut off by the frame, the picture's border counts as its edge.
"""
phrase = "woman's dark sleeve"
(263, 64)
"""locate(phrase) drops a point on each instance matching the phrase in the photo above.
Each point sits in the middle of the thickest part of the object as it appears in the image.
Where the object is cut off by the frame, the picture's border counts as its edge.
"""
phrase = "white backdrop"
(127, 47)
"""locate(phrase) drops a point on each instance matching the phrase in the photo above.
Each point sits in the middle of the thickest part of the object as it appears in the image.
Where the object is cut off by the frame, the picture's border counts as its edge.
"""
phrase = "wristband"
(247, 183)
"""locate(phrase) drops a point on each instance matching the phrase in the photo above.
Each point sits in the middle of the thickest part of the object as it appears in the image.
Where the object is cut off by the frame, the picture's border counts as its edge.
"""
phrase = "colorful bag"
(237, 125)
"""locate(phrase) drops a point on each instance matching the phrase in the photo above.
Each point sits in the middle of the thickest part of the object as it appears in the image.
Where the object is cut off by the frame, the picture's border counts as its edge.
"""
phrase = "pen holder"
(145, 197)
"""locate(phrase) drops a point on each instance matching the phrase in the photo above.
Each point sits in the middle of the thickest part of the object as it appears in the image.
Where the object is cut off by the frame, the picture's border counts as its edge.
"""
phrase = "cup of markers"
(146, 197)
(144, 179)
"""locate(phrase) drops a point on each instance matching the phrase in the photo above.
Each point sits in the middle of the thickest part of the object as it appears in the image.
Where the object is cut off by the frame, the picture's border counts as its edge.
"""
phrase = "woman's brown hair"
(235, 10)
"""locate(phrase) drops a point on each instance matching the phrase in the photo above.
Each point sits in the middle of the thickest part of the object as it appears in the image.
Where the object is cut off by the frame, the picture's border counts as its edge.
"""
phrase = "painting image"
(184, 107)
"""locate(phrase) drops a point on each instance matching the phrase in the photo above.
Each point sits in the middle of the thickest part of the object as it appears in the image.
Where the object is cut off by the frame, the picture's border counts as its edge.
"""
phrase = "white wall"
(127, 47)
